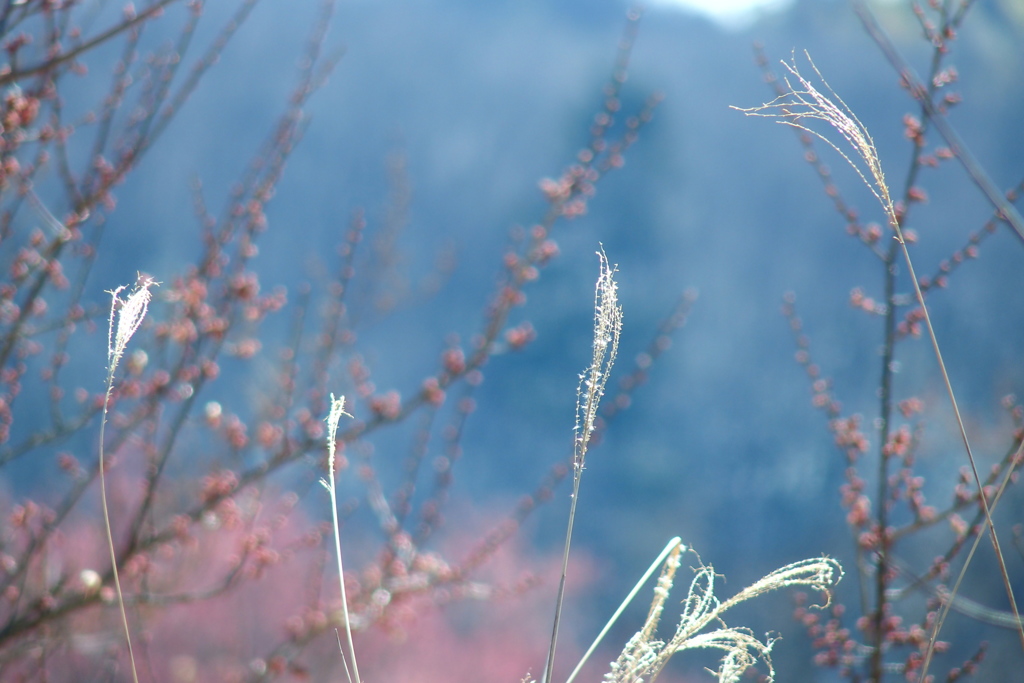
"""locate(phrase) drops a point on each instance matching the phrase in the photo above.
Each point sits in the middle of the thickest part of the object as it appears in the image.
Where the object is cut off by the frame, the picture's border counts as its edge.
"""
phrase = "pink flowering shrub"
(223, 572)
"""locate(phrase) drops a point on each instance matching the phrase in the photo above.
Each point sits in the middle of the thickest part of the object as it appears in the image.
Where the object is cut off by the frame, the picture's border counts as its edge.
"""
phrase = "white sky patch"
(732, 14)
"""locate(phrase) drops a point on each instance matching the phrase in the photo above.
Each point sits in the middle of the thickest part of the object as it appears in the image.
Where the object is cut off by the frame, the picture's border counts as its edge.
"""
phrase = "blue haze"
(722, 446)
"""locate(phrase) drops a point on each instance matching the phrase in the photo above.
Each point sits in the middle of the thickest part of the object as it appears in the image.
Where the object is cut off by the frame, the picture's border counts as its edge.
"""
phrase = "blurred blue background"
(479, 101)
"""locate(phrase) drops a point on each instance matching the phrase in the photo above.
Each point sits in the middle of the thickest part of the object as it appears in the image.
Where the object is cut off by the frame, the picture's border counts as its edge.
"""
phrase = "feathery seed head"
(128, 313)
(333, 417)
(645, 656)
(607, 327)
(806, 102)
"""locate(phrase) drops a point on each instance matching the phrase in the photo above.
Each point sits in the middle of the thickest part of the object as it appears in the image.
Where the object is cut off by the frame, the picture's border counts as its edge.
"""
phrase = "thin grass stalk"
(549, 663)
(127, 314)
(337, 410)
(949, 599)
(344, 663)
(1004, 572)
(607, 327)
(110, 539)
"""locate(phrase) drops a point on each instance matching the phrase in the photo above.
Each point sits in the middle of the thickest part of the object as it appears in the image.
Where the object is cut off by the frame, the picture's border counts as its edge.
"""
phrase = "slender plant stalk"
(949, 599)
(344, 662)
(672, 545)
(128, 314)
(549, 664)
(607, 327)
(337, 410)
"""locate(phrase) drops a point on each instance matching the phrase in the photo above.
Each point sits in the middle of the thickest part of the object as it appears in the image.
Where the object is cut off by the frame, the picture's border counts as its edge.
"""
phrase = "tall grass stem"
(125, 317)
(337, 410)
(607, 328)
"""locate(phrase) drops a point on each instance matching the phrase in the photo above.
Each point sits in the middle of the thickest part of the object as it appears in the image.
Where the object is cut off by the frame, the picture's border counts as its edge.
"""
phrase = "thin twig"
(1008, 212)
(52, 62)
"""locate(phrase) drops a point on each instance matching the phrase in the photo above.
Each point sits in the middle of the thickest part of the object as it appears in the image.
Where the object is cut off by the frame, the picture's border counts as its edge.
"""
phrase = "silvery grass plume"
(808, 103)
(128, 314)
(333, 417)
(645, 656)
(125, 318)
(607, 327)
